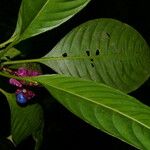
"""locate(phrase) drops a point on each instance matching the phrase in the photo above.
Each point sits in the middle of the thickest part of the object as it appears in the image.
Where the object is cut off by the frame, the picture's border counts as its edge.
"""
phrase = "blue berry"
(21, 99)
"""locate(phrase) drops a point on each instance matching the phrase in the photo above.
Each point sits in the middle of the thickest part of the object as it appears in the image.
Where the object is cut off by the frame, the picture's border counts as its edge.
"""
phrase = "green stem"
(7, 42)
(13, 76)
(7, 48)
(14, 42)
(40, 60)
(20, 62)
(3, 92)
(6, 75)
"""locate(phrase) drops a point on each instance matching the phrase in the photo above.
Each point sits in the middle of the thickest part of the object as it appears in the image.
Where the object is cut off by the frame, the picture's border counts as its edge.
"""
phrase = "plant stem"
(2, 91)
(6, 75)
(13, 76)
(7, 42)
(6, 49)
(20, 61)
(13, 41)
(40, 60)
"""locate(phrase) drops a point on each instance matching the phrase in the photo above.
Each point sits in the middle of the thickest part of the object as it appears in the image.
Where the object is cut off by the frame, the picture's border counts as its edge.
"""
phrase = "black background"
(63, 130)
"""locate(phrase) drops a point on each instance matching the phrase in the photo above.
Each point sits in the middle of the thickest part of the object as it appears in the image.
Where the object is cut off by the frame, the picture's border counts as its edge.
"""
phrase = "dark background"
(63, 130)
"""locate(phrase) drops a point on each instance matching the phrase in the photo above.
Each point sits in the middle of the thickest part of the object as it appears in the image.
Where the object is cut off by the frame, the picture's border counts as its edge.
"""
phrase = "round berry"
(21, 99)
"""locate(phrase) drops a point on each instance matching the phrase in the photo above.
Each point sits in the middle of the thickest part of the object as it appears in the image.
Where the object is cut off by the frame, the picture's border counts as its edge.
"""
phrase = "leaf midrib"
(71, 58)
(39, 12)
(105, 106)
(44, 5)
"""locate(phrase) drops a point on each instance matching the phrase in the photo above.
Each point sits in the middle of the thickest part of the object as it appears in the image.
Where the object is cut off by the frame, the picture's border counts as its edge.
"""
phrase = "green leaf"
(11, 53)
(103, 50)
(38, 16)
(25, 121)
(2, 45)
(103, 107)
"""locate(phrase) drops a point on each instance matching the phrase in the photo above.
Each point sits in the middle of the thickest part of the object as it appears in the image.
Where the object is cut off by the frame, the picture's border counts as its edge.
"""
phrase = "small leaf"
(11, 53)
(39, 16)
(25, 121)
(103, 50)
(103, 107)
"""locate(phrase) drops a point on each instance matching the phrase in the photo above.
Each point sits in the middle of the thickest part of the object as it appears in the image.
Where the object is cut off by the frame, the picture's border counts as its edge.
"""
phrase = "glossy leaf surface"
(38, 16)
(103, 107)
(103, 50)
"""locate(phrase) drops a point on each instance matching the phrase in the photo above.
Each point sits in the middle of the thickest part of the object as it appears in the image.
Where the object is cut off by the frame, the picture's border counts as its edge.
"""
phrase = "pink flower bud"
(15, 82)
(35, 73)
(22, 72)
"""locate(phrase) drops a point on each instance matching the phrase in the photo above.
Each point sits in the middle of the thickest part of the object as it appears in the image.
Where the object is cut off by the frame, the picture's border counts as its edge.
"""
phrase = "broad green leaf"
(103, 50)
(103, 107)
(25, 121)
(37, 16)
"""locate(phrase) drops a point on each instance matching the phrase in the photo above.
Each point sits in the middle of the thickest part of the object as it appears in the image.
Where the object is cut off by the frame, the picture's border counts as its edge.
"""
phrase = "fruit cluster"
(23, 93)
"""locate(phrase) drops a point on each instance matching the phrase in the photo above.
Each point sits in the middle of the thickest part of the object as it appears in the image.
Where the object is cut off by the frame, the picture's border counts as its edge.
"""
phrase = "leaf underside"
(103, 50)
(103, 107)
